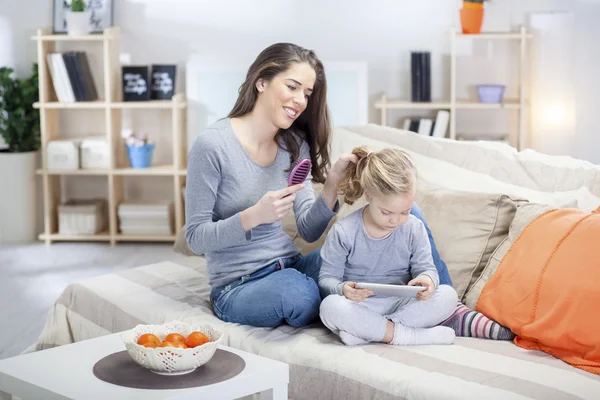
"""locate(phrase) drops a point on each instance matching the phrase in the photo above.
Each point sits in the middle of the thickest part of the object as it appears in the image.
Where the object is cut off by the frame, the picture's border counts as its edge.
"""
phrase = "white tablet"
(381, 289)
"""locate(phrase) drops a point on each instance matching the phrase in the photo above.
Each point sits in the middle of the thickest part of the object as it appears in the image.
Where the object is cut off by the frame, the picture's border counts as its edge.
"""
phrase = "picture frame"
(163, 81)
(101, 15)
(136, 83)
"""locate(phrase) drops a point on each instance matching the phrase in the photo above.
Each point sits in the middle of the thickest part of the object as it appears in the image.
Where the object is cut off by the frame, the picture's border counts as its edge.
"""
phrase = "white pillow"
(447, 175)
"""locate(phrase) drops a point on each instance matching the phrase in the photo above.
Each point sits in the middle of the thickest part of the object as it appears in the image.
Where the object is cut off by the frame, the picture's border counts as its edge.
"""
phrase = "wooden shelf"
(58, 172)
(508, 103)
(144, 238)
(495, 35)
(167, 170)
(98, 104)
(57, 237)
(164, 170)
(101, 104)
(410, 105)
(96, 37)
(453, 104)
(150, 104)
(110, 102)
(106, 237)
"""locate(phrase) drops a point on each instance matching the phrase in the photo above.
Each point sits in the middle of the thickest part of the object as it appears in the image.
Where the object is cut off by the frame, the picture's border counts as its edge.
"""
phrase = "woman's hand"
(336, 174)
(273, 206)
(425, 281)
(358, 295)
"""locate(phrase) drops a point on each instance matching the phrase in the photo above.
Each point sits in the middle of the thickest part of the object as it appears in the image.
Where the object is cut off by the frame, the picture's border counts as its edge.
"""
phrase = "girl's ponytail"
(384, 172)
(351, 187)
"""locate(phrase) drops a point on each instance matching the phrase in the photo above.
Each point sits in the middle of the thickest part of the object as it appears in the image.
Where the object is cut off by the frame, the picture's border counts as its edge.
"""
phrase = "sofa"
(476, 197)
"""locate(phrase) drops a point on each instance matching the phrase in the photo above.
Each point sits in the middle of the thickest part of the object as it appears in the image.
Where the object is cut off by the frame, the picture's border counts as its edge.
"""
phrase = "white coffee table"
(65, 372)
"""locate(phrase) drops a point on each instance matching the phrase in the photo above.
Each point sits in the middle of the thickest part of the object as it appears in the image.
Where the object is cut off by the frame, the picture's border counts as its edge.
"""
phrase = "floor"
(32, 276)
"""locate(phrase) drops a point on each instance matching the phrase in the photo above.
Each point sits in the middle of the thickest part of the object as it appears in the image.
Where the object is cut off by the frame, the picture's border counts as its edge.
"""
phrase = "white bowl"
(171, 360)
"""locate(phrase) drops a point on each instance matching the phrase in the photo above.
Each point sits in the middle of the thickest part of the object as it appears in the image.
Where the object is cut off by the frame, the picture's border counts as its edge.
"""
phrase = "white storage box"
(95, 154)
(82, 217)
(146, 218)
(62, 155)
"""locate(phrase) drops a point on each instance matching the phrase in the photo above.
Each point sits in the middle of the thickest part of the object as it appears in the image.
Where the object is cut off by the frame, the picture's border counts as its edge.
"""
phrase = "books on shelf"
(420, 71)
(429, 127)
(72, 77)
(150, 219)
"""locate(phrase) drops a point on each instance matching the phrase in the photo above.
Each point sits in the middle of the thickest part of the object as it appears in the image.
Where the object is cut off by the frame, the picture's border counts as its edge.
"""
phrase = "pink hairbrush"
(299, 173)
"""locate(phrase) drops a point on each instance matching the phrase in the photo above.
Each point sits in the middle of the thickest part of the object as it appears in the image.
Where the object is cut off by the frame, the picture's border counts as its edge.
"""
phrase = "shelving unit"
(112, 105)
(519, 105)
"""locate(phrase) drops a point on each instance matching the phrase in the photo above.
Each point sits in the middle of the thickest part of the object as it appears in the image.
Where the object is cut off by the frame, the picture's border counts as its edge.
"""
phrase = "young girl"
(387, 242)
(382, 243)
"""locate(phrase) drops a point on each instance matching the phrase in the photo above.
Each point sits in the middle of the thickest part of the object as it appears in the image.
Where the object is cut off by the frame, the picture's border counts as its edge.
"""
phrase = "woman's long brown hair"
(313, 124)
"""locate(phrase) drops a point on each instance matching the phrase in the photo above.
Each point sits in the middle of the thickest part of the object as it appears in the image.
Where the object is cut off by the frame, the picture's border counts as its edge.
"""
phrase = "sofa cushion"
(180, 246)
(446, 174)
(526, 212)
(466, 227)
(546, 287)
(527, 168)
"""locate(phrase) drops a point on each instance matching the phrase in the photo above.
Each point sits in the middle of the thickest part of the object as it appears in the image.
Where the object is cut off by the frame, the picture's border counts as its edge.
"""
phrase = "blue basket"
(141, 156)
(490, 93)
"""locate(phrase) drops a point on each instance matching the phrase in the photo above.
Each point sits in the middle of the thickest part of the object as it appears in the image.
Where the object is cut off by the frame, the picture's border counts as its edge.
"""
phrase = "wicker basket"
(82, 217)
(170, 360)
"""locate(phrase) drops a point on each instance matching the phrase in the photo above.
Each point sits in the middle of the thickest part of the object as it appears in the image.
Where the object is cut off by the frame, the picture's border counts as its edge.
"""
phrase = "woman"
(236, 192)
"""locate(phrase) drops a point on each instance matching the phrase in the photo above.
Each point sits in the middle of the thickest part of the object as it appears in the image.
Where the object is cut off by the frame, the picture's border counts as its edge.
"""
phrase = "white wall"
(382, 33)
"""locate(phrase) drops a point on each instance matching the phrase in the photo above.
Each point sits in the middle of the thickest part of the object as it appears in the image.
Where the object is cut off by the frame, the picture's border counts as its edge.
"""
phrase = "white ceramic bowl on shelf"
(171, 360)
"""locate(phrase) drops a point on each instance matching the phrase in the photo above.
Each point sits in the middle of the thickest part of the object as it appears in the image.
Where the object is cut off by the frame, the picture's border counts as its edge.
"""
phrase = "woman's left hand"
(425, 281)
(336, 174)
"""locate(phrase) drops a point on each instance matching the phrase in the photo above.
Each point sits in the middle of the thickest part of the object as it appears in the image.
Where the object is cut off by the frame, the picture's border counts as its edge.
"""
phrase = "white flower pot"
(78, 23)
(18, 201)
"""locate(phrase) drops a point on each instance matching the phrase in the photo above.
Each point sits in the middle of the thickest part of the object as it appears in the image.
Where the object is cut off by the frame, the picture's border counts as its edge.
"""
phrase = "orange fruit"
(175, 337)
(148, 340)
(196, 338)
(180, 345)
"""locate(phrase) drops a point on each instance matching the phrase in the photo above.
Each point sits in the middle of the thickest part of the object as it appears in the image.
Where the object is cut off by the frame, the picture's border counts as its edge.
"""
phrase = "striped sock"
(469, 323)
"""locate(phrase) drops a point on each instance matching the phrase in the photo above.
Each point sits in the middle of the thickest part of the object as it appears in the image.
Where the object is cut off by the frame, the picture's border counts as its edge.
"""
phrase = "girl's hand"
(354, 294)
(273, 206)
(335, 175)
(425, 281)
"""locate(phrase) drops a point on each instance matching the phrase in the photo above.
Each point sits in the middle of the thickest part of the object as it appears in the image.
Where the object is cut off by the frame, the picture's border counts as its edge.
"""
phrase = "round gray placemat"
(120, 369)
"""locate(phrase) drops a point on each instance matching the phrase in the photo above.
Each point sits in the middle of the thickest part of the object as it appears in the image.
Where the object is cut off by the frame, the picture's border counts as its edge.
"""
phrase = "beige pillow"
(181, 245)
(466, 227)
(525, 214)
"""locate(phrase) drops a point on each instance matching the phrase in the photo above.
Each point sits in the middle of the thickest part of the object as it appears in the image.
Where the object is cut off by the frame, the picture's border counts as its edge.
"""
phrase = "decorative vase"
(140, 156)
(18, 202)
(471, 20)
(78, 23)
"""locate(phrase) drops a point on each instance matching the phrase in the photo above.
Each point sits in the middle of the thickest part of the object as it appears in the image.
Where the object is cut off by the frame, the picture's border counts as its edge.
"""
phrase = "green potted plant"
(78, 19)
(471, 16)
(20, 130)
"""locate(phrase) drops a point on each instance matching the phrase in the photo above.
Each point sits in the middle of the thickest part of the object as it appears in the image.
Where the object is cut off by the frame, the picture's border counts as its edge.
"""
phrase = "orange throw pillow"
(547, 287)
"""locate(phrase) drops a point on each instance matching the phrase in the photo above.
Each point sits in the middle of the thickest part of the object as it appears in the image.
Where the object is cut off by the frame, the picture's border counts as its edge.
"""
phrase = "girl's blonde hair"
(379, 173)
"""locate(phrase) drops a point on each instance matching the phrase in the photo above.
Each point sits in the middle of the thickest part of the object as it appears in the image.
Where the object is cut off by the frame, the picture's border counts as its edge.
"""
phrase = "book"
(441, 124)
(420, 70)
(425, 126)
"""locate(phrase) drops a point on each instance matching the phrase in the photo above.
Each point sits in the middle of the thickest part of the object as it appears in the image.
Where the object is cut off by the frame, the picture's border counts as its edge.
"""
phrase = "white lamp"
(552, 89)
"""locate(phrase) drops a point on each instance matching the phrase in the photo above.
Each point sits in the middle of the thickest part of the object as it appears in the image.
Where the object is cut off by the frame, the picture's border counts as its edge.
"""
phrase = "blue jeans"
(286, 290)
(440, 265)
